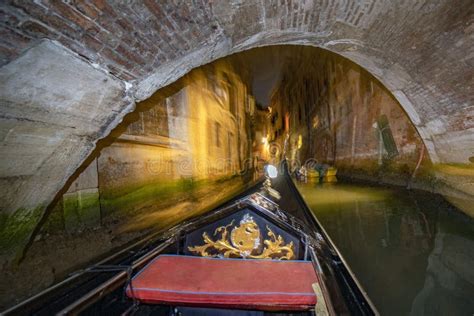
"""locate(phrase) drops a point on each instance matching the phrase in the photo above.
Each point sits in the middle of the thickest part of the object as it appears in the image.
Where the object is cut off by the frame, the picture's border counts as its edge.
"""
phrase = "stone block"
(81, 210)
(54, 106)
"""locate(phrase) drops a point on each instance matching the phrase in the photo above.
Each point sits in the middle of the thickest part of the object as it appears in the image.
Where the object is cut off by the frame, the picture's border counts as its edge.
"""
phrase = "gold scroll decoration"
(244, 242)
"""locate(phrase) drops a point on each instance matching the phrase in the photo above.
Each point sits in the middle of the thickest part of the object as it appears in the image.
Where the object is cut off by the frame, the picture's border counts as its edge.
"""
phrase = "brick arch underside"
(421, 52)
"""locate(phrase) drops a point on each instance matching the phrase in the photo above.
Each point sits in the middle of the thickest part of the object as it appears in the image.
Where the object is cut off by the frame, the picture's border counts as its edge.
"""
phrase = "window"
(151, 122)
(215, 86)
(387, 136)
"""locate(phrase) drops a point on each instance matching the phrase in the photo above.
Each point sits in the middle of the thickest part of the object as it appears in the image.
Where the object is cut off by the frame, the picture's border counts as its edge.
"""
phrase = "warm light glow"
(271, 171)
(300, 141)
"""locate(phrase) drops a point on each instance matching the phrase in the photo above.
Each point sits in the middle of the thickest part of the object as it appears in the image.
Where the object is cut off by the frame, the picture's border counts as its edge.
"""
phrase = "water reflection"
(412, 252)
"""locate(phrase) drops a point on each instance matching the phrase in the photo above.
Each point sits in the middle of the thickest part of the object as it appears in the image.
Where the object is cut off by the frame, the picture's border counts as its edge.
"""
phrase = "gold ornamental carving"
(244, 241)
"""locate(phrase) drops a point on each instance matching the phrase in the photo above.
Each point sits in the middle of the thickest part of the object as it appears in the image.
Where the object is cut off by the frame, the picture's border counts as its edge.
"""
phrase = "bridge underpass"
(109, 133)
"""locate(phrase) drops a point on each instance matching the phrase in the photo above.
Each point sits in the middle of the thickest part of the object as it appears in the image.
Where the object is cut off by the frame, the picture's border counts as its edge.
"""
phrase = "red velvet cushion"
(232, 283)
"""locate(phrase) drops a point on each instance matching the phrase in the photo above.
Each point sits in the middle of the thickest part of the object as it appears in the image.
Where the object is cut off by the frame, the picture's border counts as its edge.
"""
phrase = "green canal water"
(412, 251)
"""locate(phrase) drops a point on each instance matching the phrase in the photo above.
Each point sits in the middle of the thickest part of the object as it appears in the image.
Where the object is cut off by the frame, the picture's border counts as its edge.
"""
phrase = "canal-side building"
(330, 111)
(173, 147)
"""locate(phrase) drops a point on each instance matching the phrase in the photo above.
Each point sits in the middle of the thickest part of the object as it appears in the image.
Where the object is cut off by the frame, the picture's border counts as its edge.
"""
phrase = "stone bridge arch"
(71, 71)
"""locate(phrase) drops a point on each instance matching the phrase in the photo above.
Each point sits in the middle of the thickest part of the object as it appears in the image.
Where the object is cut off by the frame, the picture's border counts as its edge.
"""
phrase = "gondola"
(261, 253)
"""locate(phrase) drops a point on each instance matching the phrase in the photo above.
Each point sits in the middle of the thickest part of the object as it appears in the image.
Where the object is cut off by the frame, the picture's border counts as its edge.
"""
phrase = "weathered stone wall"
(420, 50)
(80, 205)
(53, 107)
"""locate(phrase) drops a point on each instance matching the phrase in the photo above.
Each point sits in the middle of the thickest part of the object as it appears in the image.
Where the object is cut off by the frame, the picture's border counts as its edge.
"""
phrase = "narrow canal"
(413, 253)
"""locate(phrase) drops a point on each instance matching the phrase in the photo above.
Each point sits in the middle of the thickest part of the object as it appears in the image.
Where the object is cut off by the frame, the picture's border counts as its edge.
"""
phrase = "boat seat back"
(244, 234)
